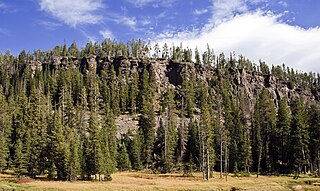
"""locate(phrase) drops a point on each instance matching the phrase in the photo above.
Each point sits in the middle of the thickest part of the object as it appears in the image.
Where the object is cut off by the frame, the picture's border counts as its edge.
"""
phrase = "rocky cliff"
(169, 73)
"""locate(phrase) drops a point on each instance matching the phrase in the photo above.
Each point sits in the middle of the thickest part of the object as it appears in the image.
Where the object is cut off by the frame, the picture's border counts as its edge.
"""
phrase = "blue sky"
(277, 31)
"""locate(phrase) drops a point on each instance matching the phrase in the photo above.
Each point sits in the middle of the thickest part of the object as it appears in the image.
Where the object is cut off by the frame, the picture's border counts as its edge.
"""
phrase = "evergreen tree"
(21, 139)
(123, 158)
(4, 132)
(59, 146)
(282, 137)
(73, 168)
(95, 157)
(111, 131)
(133, 93)
(136, 146)
(314, 143)
(192, 154)
(36, 125)
(147, 118)
(299, 138)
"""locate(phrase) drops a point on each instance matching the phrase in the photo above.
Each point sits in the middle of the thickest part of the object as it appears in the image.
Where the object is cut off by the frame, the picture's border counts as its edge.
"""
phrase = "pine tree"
(256, 137)
(191, 157)
(314, 143)
(4, 132)
(73, 168)
(170, 126)
(111, 130)
(21, 136)
(160, 147)
(206, 134)
(133, 92)
(58, 145)
(147, 118)
(136, 147)
(299, 138)
(123, 158)
(36, 125)
(95, 157)
(267, 124)
(124, 91)
(108, 162)
(114, 92)
(283, 137)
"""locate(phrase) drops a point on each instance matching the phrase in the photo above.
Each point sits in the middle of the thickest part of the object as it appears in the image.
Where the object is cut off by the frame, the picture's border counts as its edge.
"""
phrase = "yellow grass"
(141, 181)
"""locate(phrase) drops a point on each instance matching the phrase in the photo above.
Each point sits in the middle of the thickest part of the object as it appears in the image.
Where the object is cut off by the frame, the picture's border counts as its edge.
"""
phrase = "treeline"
(60, 121)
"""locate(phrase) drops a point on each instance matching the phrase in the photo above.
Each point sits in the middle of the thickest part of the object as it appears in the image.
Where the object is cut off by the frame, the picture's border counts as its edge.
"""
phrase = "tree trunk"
(318, 162)
(226, 162)
(221, 158)
(200, 144)
(208, 165)
(259, 161)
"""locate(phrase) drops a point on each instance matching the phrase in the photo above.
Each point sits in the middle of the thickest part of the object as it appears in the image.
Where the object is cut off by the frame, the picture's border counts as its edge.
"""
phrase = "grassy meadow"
(142, 181)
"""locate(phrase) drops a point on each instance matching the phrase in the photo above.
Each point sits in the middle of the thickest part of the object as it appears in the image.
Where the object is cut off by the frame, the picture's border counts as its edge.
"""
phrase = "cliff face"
(170, 74)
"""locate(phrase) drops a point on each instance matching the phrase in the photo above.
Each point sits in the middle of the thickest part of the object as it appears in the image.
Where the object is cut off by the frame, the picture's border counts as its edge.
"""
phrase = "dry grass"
(142, 181)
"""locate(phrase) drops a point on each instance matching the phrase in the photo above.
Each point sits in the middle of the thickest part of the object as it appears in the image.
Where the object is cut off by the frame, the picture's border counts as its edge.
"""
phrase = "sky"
(275, 31)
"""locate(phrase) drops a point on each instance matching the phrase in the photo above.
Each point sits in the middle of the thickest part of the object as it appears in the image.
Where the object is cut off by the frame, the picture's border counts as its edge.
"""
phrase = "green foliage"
(123, 158)
(299, 136)
(59, 108)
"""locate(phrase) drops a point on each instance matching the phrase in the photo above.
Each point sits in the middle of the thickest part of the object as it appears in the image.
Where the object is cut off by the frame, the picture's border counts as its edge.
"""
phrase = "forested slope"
(70, 113)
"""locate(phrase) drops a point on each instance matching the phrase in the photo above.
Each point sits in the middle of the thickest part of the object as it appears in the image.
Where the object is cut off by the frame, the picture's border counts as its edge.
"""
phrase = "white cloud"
(154, 3)
(106, 34)
(283, 3)
(256, 35)
(50, 25)
(145, 21)
(122, 19)
(73, 12)
(200, 11)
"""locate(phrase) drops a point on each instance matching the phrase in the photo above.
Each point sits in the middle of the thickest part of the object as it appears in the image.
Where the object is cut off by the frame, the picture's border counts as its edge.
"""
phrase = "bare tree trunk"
(203, 161)
(221, 140)
(208, 165)
(259, 161)
(318, 163)
(226, 161)
(221, 158)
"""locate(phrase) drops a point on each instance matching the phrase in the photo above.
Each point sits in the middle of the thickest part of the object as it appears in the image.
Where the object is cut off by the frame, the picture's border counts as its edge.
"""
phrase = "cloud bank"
(73, 12)
(255, 34)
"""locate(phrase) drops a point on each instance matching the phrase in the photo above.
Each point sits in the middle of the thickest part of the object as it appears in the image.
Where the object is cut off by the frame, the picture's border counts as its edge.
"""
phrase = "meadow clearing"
(143, 181)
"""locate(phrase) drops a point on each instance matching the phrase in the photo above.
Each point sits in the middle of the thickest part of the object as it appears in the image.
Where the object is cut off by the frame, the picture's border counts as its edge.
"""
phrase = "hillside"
(73, 114)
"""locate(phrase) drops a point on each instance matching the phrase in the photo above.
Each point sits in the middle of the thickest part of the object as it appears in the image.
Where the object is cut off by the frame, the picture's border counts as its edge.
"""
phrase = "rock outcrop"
(170, 74)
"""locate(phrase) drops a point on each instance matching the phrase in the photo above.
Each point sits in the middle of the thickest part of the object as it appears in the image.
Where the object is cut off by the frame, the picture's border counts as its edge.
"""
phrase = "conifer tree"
(206, 134)
(108, 163)
(21, 136)
(123, 158)
(36, 125)
(59, 146)
(4, 132)
(111, 130)
(136, 149)
(73, 168)
(114, 92)
(299, 138)
(191, 156)
(133, 92)
(147, 118)
(256, 137)
(314, 143)
(283, 138)
(95, 157)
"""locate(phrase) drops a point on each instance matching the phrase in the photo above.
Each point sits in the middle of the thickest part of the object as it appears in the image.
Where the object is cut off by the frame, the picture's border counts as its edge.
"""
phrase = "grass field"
(144, 182)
